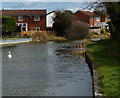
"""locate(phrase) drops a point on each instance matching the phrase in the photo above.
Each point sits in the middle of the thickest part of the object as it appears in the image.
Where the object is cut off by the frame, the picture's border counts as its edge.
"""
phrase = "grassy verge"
(106, 35)
(11, 38)
(106, 55)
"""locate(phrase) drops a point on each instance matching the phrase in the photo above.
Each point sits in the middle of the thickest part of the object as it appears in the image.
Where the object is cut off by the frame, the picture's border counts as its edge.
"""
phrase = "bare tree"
(111, 9)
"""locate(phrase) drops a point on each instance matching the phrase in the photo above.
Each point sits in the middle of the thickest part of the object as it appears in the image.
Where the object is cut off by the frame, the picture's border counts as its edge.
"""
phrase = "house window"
(20, 24)
(24, 24)
(91, 18)
(37, 28)
(20, 18)
(36, 18)
(97, 18)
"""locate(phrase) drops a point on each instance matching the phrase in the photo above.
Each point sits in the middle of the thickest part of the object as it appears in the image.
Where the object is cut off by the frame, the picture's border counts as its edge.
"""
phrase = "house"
(87, 17)
(50, 21)
(28, 20)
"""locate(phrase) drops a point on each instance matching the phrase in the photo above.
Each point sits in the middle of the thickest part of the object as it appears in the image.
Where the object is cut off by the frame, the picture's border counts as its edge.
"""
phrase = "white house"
(50, 19)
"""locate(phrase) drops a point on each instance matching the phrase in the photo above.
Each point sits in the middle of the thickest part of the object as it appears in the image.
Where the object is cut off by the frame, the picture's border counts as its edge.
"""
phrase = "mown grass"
(106, 55)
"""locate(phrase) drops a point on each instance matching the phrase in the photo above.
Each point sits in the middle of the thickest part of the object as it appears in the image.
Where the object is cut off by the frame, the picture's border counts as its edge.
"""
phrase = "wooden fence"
(33, 32)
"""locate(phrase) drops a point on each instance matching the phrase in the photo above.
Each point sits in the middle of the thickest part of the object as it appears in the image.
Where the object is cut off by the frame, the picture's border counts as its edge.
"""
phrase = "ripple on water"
(37, 70)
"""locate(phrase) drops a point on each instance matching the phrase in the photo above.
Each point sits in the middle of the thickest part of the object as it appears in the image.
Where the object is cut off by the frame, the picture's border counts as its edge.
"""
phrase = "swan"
(9, 55)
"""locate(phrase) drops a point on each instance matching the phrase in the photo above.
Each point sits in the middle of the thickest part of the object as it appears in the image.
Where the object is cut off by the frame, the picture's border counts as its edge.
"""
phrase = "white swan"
(9, 55)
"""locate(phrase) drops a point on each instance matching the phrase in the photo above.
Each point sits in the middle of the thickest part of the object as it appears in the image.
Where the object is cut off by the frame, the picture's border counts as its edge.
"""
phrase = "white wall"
(50, 19)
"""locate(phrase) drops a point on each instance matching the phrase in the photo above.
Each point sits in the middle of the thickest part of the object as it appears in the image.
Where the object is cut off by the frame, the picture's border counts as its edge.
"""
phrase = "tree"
(77, 30)
(8, 24)
(111, 9)
(62, 21)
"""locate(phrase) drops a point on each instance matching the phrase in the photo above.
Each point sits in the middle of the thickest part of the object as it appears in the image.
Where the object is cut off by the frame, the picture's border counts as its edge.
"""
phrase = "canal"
(44, 69)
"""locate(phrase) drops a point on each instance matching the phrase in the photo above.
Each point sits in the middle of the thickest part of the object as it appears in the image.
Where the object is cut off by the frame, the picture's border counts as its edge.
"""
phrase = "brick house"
(28, 19)
(87, 17)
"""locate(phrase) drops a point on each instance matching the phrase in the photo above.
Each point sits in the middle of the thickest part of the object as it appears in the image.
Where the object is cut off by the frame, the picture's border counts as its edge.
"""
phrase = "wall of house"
(82, 17)
(88, 19)
(50, 19)
(33, 24)
(93, 21)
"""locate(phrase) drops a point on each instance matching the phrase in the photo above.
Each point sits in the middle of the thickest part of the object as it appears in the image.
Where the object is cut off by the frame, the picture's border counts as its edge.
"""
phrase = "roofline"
(50, 12)
(22, 9)
(24, 15)
(86, 14)
(43, 14)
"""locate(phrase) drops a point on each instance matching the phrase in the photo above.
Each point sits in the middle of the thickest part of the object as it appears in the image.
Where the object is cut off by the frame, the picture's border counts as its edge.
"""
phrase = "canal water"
(44, 69)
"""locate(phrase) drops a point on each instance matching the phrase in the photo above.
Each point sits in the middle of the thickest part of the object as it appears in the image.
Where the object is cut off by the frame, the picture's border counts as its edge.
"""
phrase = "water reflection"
(36, 70)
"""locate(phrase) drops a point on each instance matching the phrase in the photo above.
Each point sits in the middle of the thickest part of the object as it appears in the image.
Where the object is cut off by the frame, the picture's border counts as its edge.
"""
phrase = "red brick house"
(87, 17)
(28, 19)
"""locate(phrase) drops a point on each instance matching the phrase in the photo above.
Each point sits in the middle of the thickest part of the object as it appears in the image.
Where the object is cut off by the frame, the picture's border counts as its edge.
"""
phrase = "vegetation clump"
(43, 37)
(8, 25)
(66, 25)
(77, 30)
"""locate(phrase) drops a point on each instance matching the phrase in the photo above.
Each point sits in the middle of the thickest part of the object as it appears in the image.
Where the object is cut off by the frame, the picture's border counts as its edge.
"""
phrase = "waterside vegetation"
(43, 37)
(105, 54)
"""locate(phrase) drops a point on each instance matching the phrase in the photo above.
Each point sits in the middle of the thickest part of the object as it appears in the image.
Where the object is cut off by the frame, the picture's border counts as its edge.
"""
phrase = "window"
(20, 24)
(37, 28)
(36, 18)
(97, 18)
(92, 18)
(20, 18)
(24, 24)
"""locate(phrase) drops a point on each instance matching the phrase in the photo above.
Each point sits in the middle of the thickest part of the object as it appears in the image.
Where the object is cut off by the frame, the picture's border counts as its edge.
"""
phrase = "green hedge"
(8, 24)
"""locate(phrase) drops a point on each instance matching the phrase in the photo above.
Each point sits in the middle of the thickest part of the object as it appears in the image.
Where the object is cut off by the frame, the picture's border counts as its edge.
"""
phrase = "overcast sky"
(50, 6)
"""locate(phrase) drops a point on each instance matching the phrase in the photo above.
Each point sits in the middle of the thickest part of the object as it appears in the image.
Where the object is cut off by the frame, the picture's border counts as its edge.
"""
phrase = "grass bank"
(106, 55)
(11, 38)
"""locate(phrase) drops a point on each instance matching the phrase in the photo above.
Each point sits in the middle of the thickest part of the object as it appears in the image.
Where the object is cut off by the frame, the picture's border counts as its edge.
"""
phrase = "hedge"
(8, 24)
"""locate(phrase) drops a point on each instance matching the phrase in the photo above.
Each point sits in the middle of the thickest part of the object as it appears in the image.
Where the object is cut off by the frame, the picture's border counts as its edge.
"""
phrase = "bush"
(8, 24)
(43, 37)
(77, 30)
(26, 36)
(62, 21)
(103, 31)
(18, 29)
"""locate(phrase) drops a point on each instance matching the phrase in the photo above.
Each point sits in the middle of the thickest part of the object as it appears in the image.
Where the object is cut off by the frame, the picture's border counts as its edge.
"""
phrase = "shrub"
(26, 36)
(103, 31)
(8, 24)
(18, 29)
(77, 30)
(43, 37)
(62, 21)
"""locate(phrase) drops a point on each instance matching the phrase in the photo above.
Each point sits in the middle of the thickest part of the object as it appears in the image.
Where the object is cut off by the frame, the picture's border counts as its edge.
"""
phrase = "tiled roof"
(23, 12)
(87, 13)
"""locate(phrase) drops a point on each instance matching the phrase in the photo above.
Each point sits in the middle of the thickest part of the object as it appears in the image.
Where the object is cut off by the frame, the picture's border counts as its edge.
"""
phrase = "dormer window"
(20, 18)
(36, 18)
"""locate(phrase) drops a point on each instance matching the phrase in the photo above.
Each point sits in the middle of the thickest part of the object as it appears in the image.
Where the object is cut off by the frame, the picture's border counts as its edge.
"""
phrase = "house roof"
(88, 13)
(23, 12)
(50, 12)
